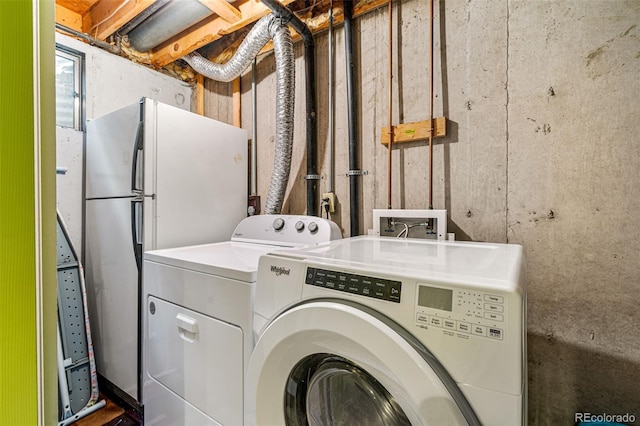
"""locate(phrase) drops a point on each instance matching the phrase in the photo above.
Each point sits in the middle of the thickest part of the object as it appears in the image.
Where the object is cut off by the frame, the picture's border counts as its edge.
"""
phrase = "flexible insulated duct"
(265, 29)
(312, 176)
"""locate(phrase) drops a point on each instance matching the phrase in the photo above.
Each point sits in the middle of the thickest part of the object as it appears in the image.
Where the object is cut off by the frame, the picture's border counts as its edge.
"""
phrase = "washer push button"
(435, 321)
(492, 316)
(493, 308)
(450, 324)
(465, 327)
(394, 291)
(479, 330)
(492, 298)
(495, 333)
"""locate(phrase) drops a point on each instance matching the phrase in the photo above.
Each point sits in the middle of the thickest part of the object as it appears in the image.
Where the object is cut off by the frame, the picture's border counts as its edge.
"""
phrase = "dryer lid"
(227, 259)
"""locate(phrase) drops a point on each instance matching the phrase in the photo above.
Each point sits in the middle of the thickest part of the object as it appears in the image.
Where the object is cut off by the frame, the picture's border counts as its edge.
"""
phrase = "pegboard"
(71, 315)
(66, 255)
(71, 322)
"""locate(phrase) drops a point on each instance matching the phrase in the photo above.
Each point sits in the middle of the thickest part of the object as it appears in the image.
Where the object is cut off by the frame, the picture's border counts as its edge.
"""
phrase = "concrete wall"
(573, 197)
(111, 82)
(542, 102)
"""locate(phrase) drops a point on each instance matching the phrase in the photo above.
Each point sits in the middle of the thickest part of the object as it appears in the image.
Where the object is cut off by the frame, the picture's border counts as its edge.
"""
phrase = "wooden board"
(106, 17)
(410, 132)
(68, 18)
(207, 31)
(223, 9)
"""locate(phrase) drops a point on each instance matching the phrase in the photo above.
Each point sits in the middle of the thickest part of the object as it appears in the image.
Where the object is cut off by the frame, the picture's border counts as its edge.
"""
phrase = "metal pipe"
(113, 48)
(331, 145)
(312, 176)
(352, 118)
(431, 104)
(390, 157)
(254, 129)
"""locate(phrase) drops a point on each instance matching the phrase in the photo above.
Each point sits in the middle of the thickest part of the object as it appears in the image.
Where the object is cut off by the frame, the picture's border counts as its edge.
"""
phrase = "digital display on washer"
(436, 298)
(377, 288)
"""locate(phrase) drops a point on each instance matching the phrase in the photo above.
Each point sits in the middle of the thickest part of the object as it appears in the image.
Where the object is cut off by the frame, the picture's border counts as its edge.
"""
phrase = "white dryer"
(198, 309)
(387, 331)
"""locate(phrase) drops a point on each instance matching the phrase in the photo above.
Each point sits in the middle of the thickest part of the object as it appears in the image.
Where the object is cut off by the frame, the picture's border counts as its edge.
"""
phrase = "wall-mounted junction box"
(426, 224)
(330, 199)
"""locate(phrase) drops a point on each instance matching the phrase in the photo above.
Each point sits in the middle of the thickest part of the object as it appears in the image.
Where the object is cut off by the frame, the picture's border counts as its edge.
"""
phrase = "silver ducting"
(249, 49)
(265, 29)
(168, 21)
(283, 49)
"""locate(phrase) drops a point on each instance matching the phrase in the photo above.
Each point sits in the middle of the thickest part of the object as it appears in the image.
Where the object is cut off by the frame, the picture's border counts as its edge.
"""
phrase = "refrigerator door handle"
(137, 149)
(136, 229)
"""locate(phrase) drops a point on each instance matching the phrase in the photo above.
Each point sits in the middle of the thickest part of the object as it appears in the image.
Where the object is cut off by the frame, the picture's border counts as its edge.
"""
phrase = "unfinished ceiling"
(158, 32)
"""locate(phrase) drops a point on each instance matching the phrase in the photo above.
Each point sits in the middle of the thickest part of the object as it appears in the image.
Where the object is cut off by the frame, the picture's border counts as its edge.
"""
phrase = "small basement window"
(69, 76)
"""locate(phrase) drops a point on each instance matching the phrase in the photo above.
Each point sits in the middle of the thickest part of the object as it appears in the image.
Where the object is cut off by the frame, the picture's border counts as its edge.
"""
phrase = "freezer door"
(199, 178)
(110, 153)
(112, 291)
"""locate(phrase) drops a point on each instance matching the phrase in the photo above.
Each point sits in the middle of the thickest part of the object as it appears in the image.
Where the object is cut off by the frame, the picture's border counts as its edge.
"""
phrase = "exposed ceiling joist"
(216, 36)
(225, 10)
(106, 17)
(207, 31)
(68, 18)
(315, 24)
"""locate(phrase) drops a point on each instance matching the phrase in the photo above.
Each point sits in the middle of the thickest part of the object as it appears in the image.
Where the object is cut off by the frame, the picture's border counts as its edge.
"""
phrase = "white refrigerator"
(156, 177)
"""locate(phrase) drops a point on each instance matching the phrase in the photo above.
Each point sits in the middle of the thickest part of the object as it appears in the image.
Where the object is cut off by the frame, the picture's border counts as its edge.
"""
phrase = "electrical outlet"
(331, 196)
(254, 205)
(426, 224)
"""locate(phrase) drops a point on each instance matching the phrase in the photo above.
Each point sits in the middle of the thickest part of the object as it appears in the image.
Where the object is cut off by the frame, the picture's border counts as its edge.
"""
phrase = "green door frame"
(28, 316)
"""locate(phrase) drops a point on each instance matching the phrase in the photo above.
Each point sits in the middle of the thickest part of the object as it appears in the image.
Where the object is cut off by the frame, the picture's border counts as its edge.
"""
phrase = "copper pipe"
(431, 104)
(389, 165)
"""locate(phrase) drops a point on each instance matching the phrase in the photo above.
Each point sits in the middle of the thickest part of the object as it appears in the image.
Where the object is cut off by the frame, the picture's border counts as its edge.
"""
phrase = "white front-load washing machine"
(198, 309)
(388, 331)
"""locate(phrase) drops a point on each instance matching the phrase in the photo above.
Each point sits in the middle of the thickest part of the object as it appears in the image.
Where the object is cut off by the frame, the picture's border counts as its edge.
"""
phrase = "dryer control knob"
(278, 224)
(299, 226)
(313, 227)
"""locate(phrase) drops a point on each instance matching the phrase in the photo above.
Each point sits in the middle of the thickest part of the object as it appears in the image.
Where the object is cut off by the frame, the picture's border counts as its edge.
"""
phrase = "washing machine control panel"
(461, 312)
(377, 288)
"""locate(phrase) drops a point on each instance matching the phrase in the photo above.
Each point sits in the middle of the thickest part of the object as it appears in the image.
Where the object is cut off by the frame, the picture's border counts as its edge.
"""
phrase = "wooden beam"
(206, 31)
(237, 116)
(200, 94)
(321, 22)
(367, 6)
(410, 132)
(223, 9)
(109, 15)
(68, 18)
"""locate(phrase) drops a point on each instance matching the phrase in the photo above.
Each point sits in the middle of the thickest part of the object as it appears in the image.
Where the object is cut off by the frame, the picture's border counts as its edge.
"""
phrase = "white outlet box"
(425, 224)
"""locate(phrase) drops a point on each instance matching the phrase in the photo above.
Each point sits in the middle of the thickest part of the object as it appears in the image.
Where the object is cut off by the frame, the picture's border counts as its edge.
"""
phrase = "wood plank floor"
(110, 415)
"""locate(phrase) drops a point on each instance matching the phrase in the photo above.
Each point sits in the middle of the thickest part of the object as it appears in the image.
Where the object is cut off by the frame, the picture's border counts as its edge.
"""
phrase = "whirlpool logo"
(279, 270)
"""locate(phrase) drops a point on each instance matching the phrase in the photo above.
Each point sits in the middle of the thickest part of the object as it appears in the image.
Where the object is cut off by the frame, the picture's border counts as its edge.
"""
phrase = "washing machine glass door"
(326, 389)
(336, 362)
